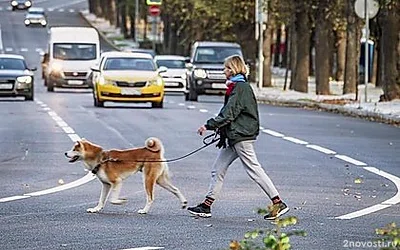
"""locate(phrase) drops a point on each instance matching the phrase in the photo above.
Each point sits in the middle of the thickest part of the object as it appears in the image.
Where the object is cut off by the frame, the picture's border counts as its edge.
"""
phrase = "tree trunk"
(322, 50)
(352, 48)
(391, 52)
(267, 74)
(92, 4)
(302, 65)
(341, 54)
(293, 52)
(277, 47)
(123, 14)
(112, 12)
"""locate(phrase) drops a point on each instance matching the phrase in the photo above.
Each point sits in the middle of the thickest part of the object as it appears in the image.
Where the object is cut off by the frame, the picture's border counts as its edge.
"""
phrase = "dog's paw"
(93, 210)
(184, 204)
(142, 211)
(119, 201)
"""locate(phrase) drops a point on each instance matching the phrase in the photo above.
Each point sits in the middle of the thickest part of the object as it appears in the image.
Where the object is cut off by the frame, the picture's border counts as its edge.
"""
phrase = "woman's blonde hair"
(237, 65)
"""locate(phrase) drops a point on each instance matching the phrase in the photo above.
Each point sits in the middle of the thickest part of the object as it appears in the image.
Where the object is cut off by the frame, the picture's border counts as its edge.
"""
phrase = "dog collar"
(96, 169)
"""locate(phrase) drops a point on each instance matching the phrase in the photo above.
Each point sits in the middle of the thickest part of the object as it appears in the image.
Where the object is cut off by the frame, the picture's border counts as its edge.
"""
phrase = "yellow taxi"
(127, 77)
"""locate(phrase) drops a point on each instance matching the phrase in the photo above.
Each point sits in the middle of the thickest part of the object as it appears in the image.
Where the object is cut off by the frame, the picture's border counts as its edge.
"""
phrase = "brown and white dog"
(113, 166)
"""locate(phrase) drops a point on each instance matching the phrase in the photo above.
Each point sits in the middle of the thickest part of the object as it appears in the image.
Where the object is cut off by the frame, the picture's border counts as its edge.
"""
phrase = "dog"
(112, 167)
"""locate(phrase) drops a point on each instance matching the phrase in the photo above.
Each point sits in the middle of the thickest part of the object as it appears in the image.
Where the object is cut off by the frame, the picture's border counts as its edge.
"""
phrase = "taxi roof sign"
(153, 2)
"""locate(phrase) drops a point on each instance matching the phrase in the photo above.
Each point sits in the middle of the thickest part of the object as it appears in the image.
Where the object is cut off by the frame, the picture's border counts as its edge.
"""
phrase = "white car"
(35, 16)
(175, 77)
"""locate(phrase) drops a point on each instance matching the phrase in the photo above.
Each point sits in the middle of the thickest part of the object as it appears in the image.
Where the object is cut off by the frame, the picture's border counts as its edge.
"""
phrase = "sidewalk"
(388, 112)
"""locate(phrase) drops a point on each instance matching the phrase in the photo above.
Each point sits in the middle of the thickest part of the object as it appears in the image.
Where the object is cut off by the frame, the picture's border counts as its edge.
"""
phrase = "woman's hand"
(201, 130)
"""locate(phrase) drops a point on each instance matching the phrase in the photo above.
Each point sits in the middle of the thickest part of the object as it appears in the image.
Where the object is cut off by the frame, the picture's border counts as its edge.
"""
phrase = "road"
(316, 160)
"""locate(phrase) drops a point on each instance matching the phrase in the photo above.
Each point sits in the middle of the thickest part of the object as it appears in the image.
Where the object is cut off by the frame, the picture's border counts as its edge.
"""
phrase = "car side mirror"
(187, 59)
(162, 69)
(95, 68)
(189, 66)
(33, 69)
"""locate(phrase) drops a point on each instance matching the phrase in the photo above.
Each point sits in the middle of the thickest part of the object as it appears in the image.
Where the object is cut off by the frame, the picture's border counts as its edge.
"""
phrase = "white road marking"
(61, 10)
(181, 104)
(350, 160)
(295, 140)
(1, 42)
(74, 137)
(71, 11)
(203, 110)
(24, 50)
(322, 149)
(273, 133)
(385, 204)
(50, 9)
(9, 49)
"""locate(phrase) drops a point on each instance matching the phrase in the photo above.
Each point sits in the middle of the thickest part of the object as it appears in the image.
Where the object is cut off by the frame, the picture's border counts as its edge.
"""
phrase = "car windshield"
(12, 64)
(74, 51)
(215, 54)
(171, 64)
(142, 64)
(36, 12)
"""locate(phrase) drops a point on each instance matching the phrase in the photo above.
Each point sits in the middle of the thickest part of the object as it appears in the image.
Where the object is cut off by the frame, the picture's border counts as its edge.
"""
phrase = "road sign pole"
(366, 54)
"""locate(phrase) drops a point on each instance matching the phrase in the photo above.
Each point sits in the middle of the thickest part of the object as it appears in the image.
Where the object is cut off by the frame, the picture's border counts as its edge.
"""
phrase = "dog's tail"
(154, 144)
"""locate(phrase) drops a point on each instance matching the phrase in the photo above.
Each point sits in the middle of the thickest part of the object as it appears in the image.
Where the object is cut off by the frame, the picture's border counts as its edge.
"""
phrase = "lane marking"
(351, 160)
(322, 149)
(144, 248)
(385, 204)
(273, 133)
(295, 140)
(203, 110)
(74, 137)
(1, 42)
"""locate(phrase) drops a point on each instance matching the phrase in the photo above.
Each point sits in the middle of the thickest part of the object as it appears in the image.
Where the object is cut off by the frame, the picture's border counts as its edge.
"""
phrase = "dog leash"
(206, 141)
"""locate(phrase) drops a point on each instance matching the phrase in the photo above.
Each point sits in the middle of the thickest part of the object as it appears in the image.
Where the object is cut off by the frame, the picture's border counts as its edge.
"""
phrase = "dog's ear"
(153, 144)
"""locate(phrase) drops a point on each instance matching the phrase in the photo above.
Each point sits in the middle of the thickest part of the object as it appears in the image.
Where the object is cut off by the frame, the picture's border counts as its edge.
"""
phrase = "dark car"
(20, 4)
(16, 79)
(206, 68)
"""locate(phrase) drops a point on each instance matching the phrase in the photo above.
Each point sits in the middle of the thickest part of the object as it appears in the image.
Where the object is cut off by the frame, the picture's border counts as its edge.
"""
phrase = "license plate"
(171, 84)
(75, 82)
(130, 91)
(6, 86)
(218, 86)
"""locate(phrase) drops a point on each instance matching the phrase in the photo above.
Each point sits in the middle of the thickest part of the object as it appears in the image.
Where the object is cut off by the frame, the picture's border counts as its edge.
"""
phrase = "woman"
(238, 124)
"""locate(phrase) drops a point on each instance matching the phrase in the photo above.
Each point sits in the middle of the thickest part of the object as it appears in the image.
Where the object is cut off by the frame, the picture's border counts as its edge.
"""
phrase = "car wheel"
(13, 8)
(29, 97)
(96, 101)
(50, 86)
(158, 105)
(186, 96)
(192, 95)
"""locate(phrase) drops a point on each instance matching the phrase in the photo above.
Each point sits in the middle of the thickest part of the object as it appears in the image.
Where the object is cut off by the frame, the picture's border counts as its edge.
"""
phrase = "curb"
(100, 33)
(338, 109)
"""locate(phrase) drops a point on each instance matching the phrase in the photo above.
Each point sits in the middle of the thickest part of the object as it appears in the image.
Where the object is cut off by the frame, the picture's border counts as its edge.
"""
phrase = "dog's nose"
(66, 154)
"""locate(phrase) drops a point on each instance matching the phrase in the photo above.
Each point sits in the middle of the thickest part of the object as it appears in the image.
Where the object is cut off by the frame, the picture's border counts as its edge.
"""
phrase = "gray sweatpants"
(243, 150)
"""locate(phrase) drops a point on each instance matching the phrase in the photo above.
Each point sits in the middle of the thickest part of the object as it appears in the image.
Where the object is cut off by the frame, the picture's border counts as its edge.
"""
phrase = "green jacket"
(239, 116)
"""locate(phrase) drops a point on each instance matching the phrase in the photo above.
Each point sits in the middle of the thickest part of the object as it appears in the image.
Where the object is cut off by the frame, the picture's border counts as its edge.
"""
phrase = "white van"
(71, 53)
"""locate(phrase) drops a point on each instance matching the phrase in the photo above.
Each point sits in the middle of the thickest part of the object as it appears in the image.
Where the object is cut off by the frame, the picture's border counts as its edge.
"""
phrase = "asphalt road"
(319, 185)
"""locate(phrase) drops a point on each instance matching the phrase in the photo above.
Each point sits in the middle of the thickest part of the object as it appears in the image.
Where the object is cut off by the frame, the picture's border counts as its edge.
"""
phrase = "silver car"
(36, 16)
(175, 77)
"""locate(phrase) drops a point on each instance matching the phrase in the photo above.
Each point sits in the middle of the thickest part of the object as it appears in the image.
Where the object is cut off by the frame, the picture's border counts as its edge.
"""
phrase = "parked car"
(16, 79)
(175, 77)
(20, 4)
(35, 16)
(127, 77)
(206, 64)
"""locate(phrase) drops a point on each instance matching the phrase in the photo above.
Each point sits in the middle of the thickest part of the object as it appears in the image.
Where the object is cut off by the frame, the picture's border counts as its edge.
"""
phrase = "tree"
(391, 50)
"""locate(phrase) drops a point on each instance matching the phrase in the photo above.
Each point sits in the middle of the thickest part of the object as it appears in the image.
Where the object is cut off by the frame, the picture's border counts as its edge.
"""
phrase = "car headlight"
(158, 82)
(28, 3)
(200, 73)
(184, 76)
(103, 81)
(24, 79)
(43, 22)
(14, 3)
(27, 22)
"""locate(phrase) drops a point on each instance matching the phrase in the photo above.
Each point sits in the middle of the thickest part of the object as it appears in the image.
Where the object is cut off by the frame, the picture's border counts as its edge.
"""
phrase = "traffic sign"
(154, 10)
(372, 7)
(153, 2)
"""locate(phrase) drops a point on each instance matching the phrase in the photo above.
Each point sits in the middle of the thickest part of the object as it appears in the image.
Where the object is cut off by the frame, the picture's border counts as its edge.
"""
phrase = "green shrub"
(268, 239)
(389, 237)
